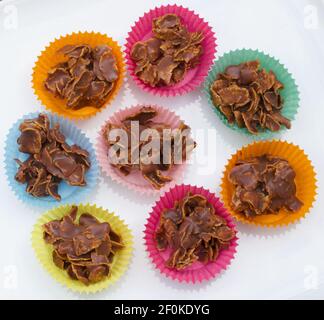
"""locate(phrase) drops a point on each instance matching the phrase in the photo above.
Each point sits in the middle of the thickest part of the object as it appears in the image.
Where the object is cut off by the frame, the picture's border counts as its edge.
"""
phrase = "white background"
(281, 263)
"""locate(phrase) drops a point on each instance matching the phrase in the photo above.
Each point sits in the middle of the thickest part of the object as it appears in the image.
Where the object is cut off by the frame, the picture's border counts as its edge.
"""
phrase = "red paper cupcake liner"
(135, 181)
(142, 30)
(198, 271)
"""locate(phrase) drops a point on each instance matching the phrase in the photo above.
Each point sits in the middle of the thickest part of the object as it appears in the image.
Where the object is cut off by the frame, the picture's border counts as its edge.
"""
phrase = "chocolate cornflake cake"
(193, 231)
(263, 185)
(165, 58)
(250, 97)
(51, 159)
(155, 169)
(86, 78)
(85, 249)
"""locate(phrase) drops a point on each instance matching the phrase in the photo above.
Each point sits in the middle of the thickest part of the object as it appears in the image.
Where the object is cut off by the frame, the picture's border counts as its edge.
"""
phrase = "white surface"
(282, 263)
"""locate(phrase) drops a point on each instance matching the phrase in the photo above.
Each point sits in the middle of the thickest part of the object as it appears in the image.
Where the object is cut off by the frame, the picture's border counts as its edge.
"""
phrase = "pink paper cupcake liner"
(135, 181)
(142, 30)
(198, 271)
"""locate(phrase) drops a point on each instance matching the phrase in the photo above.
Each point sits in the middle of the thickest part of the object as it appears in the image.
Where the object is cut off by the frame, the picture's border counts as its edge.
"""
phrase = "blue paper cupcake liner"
(69, 194)
(289, 93)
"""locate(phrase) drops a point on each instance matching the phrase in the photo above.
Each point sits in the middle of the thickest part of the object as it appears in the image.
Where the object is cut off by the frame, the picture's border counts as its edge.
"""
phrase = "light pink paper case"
(135, 180)
(198, 271)
(142, 30)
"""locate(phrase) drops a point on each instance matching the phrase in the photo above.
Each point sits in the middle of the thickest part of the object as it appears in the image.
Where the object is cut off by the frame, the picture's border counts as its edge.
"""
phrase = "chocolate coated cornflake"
(263, 185)
(50, 160)
(85, 249)
(193, 231)
(86, 78)
(162, 160)
(249, 96)
(165, 58)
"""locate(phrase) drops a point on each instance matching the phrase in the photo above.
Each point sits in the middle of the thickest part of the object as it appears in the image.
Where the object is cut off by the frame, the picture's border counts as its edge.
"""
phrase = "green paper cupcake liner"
(289, 93)
(44, 251)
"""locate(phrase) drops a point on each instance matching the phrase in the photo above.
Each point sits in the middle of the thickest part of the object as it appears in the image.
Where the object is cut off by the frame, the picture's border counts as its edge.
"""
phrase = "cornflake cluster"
(51, 159)
(263, 185)
(152, 169)
(85, 249)
(193, 231)
(165, 58)
(249, 96)
(86, 78)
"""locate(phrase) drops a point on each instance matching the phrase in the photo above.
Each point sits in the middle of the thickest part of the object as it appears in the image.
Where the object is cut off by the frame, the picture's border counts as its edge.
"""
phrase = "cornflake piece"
(250, 97)
(86, 78)
(165, 58)
(50, 160)
(85, 249)
(193, 231)
(263, 185)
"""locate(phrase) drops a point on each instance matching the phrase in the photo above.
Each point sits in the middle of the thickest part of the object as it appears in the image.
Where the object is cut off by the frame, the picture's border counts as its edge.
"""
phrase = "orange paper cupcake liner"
(305, 181)
(49, 58)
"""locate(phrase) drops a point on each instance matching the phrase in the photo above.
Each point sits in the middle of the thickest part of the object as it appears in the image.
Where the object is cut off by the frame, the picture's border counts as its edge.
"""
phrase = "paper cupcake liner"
(289, 93)
(43, 250)
(305, 181)
(67, 192)
(49, 58)
(142, 30)
(198, 271)
(135, 180)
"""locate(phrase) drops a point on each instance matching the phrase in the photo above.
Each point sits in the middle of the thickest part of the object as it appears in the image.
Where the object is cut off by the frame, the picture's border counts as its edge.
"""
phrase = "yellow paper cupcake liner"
(49, 57)
(305, 181)
(44, 251)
